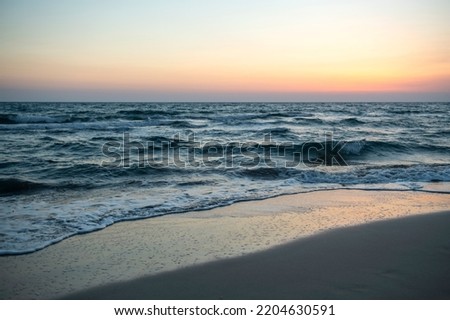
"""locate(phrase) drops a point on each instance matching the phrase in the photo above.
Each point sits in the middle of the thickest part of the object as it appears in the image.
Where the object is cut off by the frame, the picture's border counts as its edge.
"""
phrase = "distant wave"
(352, 121)
(28, 118)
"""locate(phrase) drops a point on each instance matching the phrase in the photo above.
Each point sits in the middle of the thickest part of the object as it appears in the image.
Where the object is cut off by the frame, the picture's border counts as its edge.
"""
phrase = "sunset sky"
(303, 50)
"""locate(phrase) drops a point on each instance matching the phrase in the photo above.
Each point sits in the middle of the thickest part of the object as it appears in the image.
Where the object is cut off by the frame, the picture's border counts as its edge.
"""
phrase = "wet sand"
(406, 258)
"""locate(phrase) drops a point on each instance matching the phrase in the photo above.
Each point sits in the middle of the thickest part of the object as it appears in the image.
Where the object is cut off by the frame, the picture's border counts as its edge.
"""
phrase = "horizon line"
(274, 102)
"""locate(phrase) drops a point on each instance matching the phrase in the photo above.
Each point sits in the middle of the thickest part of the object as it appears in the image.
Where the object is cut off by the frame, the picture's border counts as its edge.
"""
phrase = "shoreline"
(428, 189)
(55, 242)
(134, 249)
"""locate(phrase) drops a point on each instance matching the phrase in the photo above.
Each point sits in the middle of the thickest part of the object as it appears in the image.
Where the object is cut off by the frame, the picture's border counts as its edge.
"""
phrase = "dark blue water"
(69, 168)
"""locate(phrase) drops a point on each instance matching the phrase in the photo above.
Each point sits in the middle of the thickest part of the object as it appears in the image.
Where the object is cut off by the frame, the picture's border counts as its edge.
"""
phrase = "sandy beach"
(406, 258)
(311, 245)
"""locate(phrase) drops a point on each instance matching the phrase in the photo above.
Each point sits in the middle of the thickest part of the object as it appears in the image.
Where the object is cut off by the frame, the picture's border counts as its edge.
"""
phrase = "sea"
(72, 168)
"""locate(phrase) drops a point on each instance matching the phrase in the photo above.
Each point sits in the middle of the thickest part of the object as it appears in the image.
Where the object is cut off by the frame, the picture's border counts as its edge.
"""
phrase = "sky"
(234, 50)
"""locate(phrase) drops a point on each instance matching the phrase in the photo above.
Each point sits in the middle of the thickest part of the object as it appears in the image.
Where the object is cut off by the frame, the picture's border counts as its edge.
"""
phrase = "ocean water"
(71, 168)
